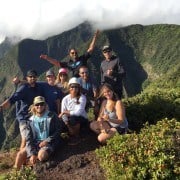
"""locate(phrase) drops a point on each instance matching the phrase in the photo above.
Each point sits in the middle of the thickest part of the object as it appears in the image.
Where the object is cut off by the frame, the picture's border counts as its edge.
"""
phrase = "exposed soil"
(77, 162)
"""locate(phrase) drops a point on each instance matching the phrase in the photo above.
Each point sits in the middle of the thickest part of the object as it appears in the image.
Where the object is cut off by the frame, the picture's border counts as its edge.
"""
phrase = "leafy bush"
(151, 154)
(24, 174)
(151, 106)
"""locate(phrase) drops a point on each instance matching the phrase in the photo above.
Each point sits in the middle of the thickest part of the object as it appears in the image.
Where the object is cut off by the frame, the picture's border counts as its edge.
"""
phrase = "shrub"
(151, 154)
(24, 174)
(151, 106)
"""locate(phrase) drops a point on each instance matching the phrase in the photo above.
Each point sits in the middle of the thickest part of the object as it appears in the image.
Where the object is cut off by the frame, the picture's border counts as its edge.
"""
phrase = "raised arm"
(92, 45)
(51, 60)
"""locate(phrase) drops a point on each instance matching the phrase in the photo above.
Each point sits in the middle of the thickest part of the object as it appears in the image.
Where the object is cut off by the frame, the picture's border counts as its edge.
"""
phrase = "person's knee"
(43, 155)
(102, 138)
(93, 126)
(22, 153)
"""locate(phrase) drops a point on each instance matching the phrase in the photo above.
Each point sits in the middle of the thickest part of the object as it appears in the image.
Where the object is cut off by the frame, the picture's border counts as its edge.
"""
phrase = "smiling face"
(40, 108)
(107, 54)
(73, 54)
(74, 89)
(83, 72)
(107, 93)
(51, 80)
(31, 80)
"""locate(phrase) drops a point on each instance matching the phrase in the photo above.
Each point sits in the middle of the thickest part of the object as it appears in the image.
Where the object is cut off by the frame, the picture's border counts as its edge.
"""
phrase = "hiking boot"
(74, 141)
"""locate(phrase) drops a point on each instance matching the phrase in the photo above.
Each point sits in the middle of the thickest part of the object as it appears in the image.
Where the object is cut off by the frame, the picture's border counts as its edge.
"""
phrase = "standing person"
(43, 135)
(75, 61)
(73, 110)
(62, 80)
(23, 97)
(112, 118)
(112, 71)
(89, 88)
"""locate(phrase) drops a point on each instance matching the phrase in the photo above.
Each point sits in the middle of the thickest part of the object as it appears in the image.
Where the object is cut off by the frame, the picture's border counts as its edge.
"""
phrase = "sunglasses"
(73, 52)
(63, 74)
(85, 72)
(74, 87)
(40, 104)
(106, 51)
(32, 76)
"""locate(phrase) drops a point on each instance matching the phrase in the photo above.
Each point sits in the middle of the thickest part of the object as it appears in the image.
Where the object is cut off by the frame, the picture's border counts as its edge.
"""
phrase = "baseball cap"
(39, 99)
(63, 70)
(106, 47)
(50, 73)
(31, 72)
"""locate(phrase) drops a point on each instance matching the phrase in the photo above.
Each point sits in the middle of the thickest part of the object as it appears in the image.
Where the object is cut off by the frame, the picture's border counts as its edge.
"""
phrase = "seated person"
(73, 110)
(43, 134)
(112, 118)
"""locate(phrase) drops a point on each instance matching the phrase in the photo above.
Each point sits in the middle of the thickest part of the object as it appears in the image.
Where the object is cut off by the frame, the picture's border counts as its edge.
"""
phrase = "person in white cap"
(62, 80)
(73, 110)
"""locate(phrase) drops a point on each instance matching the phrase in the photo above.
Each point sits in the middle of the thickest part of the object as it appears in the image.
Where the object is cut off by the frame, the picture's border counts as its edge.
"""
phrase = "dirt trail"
(73, 162)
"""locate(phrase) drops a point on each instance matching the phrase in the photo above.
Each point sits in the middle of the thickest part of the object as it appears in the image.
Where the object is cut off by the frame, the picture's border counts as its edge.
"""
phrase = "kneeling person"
(43, 134)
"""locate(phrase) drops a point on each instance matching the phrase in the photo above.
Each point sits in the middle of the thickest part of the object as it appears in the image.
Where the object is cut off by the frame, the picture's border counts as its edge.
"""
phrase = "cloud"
(39, 19)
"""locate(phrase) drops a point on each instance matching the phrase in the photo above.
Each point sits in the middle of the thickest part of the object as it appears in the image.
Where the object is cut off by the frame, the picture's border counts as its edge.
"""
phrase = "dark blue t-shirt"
(23, 97)
(51, 94)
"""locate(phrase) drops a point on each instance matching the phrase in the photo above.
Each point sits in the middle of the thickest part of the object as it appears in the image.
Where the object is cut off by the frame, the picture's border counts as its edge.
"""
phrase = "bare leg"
(20, 158)
(23, 143)
(103, 137)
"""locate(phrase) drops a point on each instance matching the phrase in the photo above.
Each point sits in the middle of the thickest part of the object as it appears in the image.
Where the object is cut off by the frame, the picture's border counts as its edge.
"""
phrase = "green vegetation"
(150, 55)
(26, 173)
(151, 154)
(151, 106)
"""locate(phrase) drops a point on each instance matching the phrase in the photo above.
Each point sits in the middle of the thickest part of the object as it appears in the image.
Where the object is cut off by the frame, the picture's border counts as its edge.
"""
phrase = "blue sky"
(39, 19)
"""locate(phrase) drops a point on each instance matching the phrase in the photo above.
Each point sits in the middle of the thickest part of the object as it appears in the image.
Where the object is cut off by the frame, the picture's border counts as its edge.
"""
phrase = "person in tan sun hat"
(42, 136)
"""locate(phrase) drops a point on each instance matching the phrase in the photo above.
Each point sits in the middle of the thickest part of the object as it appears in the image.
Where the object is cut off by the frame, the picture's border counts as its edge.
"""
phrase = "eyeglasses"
(32, 76)
(40, 104)
(73, 52)
(74, 87)
(106, 51)
(85, 72)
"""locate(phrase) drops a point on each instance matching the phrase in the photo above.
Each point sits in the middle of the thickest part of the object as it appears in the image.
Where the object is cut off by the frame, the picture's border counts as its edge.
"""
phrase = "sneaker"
(74, 141)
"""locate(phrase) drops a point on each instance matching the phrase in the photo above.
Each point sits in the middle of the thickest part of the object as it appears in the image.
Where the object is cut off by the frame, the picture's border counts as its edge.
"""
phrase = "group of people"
(47, 109)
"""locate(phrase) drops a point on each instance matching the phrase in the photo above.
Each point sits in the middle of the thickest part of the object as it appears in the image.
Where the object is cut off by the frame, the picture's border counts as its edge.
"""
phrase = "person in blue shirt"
(75, 60)
(52, 93)
(23, 97)
(43, 134)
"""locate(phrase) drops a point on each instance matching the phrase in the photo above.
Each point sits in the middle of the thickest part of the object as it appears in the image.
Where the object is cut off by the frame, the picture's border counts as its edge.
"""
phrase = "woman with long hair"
(112, 118)
(73, 110)
(62, 80)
